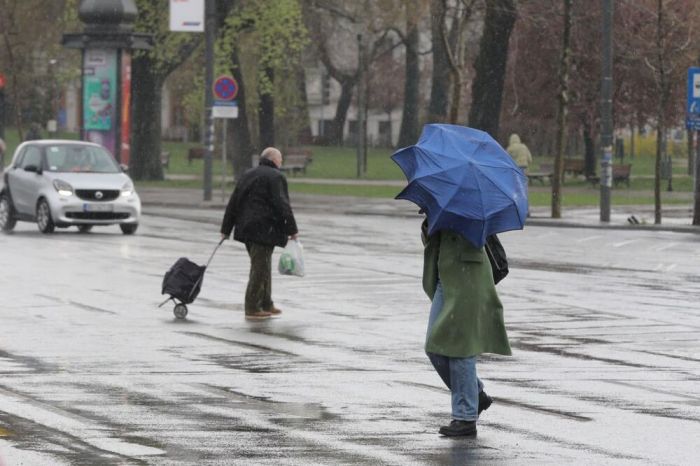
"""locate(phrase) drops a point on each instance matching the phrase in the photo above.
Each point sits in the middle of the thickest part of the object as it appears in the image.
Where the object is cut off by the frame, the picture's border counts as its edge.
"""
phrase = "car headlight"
(128, 189)
(63, 188)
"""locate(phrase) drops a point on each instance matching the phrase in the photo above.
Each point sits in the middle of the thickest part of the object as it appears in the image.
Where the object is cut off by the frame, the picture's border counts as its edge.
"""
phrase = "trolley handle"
(214, 252)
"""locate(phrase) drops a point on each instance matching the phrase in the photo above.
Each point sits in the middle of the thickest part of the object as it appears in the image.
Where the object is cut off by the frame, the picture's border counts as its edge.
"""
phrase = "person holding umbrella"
(469, 188)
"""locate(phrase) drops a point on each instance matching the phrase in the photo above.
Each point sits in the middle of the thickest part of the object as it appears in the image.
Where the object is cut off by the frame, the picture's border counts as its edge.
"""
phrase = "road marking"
(664, 247)
(588, 238)
(85, 429)
(624, 243)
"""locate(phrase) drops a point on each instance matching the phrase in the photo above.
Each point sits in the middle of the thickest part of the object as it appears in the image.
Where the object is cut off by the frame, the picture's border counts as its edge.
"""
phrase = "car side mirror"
(31, 168)
(125, 168)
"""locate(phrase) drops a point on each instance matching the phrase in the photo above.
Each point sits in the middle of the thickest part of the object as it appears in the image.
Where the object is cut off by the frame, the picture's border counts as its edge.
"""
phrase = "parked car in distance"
(59, 184)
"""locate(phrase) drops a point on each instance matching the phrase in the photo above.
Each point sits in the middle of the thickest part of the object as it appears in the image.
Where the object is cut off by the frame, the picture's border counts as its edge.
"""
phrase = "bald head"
(272, 154)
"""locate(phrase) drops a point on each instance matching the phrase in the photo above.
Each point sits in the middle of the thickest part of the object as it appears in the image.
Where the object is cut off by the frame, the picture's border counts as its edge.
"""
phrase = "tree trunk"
(490, 66)
(657, 170)
(564, 66)
(632, 143)
(337, 126)
(241, 149)
(146, 120)
(664, 92)
(266, 115)
(304, 135)
(691, 154)
(589, 150)
(440, 80)
(408, 133)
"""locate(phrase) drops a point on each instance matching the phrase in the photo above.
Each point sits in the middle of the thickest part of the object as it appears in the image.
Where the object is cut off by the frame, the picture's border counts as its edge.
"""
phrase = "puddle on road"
(299, 411)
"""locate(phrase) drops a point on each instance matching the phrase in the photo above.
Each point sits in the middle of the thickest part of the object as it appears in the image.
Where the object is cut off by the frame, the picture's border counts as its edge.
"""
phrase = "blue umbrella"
(464, 181)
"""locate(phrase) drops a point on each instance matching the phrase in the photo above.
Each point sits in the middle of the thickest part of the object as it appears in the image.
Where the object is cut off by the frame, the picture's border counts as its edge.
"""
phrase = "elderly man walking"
(262, 216)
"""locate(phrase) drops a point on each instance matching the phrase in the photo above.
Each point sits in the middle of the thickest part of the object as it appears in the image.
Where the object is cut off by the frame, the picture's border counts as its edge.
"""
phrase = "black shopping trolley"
(183, 283)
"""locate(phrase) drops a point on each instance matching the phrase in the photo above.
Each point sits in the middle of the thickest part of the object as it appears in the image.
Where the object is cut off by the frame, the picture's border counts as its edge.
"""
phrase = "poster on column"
(100, 97)
(125, 127)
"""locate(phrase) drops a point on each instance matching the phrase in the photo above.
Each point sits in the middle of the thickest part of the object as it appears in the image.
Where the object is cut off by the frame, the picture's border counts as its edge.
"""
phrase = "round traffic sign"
(2, 80)
(225, 88)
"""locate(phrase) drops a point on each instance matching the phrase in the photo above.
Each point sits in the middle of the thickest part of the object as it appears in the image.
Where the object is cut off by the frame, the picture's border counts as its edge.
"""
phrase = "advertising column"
(100, 98)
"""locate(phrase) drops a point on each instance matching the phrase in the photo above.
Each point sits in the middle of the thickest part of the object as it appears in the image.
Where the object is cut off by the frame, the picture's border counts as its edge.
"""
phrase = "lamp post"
(606, 136)
(106, 43)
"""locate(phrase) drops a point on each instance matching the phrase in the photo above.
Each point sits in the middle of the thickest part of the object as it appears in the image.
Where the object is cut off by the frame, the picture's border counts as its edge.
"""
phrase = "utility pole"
(210, 38)
(606, 136)
(361, 108)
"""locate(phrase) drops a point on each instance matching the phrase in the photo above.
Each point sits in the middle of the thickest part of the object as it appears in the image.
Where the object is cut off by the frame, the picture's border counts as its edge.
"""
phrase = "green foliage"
(279, 33)
(170, 48)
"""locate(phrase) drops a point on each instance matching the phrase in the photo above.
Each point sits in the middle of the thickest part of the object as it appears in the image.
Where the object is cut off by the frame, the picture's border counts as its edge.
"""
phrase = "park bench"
(621, 173)
(295, 160)
(574, 166)
(195, 153)
(546, 172)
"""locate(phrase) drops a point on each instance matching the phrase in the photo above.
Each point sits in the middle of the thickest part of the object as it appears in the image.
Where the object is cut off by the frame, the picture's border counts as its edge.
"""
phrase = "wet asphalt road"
(604, 325)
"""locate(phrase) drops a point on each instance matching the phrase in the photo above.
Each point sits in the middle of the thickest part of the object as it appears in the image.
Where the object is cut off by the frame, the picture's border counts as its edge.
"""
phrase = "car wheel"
(84, 228)
(7, 214)
(129, 228)
(43, 217)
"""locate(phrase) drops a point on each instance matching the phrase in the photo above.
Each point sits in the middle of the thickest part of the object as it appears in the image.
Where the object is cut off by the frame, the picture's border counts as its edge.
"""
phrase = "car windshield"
(79, 159)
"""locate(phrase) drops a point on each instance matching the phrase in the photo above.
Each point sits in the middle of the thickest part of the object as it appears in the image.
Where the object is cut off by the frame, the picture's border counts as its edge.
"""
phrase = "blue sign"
(693, 90)
(692, 120)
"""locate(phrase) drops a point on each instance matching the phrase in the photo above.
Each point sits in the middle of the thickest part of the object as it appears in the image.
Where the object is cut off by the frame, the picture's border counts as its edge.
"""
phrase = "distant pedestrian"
(466, 319)
(34, 132)
(262, 216)
(519, 152)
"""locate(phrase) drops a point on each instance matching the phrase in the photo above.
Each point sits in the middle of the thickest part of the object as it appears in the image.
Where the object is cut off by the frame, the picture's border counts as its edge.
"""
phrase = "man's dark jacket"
(259, 207)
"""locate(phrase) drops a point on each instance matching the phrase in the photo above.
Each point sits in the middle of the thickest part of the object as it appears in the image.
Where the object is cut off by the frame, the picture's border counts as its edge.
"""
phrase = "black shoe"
(459, 429)
(484, 401)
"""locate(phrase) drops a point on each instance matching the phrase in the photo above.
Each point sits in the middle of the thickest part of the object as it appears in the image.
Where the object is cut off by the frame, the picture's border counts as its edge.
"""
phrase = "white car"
(58, 183)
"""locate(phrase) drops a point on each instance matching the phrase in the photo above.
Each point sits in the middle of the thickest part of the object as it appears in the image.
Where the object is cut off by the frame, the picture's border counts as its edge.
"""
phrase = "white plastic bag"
(292, 259)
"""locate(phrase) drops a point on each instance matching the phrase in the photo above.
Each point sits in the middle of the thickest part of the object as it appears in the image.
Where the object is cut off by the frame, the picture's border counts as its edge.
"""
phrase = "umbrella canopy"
(464, 181)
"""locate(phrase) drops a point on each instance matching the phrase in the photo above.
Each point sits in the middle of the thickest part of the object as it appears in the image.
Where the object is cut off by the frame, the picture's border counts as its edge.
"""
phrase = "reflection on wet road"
(604, 325)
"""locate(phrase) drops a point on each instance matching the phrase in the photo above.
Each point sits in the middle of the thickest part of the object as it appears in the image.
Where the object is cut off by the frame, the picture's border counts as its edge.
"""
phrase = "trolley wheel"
(180, 311)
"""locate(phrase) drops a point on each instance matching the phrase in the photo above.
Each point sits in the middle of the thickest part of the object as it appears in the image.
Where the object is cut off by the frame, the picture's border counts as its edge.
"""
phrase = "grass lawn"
(340, 163)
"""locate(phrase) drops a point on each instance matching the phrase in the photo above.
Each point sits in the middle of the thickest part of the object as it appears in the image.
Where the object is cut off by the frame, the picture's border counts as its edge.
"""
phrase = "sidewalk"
(675, 218)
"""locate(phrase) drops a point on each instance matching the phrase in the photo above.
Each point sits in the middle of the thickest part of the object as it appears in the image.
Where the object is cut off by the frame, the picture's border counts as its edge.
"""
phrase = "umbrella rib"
(505, 194)
(497, 187)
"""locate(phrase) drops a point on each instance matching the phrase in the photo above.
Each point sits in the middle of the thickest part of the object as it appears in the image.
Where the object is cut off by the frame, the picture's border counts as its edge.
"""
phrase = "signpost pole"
(210, 37)
(696, 207)
(692, 123)
(223, 162)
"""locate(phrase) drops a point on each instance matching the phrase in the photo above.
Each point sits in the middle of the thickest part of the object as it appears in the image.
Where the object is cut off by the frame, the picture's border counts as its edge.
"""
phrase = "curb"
(532, 221)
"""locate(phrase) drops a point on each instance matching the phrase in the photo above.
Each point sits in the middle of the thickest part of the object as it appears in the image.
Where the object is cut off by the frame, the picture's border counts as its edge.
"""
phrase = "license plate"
(98, 207)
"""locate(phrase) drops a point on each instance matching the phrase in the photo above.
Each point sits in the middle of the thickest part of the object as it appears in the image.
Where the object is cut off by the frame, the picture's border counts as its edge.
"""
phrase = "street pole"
(696, 208)
(606, 135)
(223, 162)
(210, 37)
(360, 105)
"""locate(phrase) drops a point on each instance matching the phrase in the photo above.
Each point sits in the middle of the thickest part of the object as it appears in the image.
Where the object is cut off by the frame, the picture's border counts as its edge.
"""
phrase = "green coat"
(471, 320)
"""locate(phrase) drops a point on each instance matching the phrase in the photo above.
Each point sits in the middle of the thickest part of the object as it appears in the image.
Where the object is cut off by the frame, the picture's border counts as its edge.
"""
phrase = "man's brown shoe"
(274, 311)
(258, 315)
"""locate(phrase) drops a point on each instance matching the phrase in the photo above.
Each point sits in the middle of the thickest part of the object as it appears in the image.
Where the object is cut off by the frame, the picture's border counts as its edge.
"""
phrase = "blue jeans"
(459, 374)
